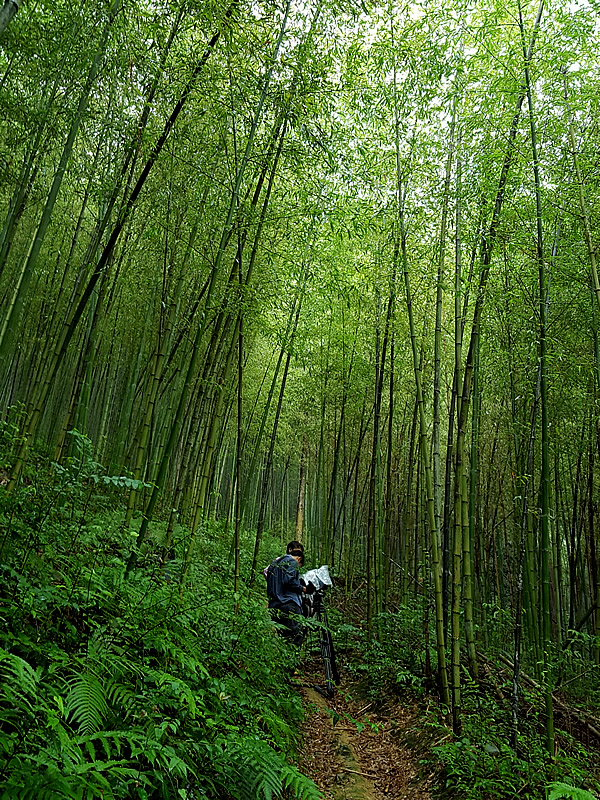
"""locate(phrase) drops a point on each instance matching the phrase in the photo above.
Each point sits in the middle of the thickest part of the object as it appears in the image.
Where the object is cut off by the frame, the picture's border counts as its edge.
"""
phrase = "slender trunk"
(469, 527)
(330, 517)
(7, 12)
(459, 468)
(545, 464)
(72, 321)
(457, 567)
(384, 347)
(238, 468)
(437, 346)
(595, 580)
(371, 551)
(389, 527)
(301, 491)
(14, 311)
(523, 585)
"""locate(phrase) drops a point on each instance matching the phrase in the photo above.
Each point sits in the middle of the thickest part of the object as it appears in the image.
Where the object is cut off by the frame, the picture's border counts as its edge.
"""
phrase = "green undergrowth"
(137, 687)
(480, 764)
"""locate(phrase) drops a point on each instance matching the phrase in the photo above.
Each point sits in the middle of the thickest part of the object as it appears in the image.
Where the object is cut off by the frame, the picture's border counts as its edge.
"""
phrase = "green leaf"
(86, 702)
(562, 791)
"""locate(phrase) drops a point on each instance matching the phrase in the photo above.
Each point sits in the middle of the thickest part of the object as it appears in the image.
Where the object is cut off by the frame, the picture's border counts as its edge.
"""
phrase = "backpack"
(269, 573)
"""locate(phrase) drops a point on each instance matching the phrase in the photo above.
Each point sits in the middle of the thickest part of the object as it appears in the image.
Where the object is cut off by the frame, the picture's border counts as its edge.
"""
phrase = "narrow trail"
(376, 759)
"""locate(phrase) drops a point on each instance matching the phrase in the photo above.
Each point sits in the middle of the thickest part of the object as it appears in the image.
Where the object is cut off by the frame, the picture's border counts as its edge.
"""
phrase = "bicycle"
(316, 609)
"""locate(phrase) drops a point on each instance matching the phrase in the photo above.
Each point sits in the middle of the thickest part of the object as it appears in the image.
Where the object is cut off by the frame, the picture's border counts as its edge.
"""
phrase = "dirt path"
(378, 762)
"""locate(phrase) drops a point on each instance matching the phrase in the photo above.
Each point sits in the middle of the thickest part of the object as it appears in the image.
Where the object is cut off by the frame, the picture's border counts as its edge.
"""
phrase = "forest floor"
(358, 750)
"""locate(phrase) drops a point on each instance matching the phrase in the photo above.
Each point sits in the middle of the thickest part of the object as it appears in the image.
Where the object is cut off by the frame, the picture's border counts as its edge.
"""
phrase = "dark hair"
(295, 548)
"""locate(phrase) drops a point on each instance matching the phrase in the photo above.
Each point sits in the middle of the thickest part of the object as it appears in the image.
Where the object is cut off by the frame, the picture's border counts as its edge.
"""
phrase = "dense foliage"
(480, 764)
(322, 268)
(139, 688)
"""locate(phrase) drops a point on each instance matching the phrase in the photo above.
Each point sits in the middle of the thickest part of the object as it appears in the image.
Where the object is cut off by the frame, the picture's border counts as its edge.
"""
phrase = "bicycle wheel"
(326, 648)
(332, 659)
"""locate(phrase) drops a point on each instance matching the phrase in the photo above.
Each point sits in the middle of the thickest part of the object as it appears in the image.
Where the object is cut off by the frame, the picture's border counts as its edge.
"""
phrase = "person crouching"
(284, 590)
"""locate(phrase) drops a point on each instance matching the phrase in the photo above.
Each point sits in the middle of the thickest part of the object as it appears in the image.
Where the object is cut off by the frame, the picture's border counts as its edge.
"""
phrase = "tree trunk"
(7, 12)
(545, 463)
(301, 491)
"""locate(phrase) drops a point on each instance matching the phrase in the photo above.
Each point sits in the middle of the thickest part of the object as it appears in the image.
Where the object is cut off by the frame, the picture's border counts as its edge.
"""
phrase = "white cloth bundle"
(318, 577)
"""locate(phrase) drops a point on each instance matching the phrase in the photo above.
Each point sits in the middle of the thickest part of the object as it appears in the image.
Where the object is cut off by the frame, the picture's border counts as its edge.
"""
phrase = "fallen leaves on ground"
(384, 748)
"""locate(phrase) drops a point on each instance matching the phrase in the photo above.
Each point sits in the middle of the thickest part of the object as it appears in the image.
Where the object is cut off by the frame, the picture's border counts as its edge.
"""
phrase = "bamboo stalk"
(545, 464)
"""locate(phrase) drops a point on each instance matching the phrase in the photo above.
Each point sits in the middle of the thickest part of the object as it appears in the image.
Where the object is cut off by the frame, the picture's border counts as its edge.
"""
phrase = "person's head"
(296, 550)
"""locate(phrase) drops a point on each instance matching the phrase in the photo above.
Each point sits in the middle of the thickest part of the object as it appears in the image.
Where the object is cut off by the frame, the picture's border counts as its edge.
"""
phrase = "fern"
(86, 702)
(19, 703)
(562, 791)
(113, 667)
(259, 773)
(44, 783)
(18, 668)
(19, 682)
(113, 742)
(179, 689)
(256, 769)
(122, 696)
(301, 787)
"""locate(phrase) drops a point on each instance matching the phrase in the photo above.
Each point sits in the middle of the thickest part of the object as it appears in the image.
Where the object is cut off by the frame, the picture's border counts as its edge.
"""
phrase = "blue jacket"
(283, 584)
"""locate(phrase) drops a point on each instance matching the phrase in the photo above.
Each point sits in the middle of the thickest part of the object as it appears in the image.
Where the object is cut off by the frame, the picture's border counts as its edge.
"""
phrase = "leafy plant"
(256, 771)
(136, 689)
(560, 791)
(481, 765)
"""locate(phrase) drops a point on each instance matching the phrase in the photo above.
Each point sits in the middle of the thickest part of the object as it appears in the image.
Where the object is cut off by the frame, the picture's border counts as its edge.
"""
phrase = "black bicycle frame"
(318, 611)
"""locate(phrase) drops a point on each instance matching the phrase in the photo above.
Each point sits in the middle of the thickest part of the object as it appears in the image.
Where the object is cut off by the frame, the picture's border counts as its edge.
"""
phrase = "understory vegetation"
(482, 763)
(138, 687)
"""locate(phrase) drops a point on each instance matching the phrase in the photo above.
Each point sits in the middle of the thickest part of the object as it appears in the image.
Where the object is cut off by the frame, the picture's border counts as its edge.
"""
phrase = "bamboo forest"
(308, 283)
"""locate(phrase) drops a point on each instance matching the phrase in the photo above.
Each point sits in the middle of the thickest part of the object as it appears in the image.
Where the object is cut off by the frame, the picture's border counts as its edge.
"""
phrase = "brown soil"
(376, 759)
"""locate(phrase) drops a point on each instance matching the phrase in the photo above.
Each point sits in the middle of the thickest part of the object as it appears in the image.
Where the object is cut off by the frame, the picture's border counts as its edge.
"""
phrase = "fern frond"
(562, 791)
(301, 787)
(252, 768)
(257, 772)
(17, 672)
(113, 742)
(121, 695)
(86, 702)
(19, 696)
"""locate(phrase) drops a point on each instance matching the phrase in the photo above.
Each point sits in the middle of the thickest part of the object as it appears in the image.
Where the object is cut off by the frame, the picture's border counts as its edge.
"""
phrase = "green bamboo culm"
(545, 547)
(71, 323)
(216, 270)
(13, 313)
